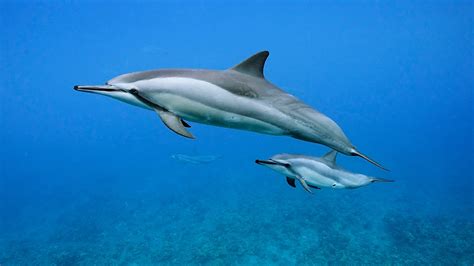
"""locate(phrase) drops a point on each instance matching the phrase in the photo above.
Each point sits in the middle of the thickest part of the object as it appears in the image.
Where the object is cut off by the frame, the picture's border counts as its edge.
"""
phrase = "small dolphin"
(195, 159)
(317, 172)
(239, 97)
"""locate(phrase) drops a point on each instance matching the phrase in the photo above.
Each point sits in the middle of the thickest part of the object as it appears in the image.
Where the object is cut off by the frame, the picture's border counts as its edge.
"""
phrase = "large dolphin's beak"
(130, 96)
(95, 88)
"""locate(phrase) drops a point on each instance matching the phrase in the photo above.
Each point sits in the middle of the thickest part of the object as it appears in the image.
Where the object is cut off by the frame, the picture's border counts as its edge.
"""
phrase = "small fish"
(195, 159)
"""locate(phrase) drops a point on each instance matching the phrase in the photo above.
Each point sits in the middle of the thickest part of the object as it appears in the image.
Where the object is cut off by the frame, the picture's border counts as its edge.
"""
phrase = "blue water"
(85, 179)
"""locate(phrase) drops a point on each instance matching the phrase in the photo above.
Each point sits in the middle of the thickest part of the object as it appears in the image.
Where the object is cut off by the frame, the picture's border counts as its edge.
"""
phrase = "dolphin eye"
(134, 91)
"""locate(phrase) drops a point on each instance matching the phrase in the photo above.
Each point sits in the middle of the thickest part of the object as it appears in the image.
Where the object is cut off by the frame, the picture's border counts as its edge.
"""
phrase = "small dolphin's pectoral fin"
(315, 187)
(184, 123)
(290, 181)
(253, 65)
(174, 123)
(305, 186)
(330, 156)
(378, 179)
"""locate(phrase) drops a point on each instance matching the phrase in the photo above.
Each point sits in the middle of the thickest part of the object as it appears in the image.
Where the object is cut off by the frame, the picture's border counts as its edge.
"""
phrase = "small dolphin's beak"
(271, 162)
(264, 162)
(95, 88)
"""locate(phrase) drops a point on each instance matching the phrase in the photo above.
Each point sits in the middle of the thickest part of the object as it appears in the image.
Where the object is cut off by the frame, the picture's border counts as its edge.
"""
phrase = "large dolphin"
(316, 172)
(239, 97)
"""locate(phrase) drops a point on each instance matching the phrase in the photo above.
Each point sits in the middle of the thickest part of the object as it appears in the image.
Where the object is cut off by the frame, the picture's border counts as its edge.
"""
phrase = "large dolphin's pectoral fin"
(184, 123)
(290, 181)
(303, 183)
(174, 123)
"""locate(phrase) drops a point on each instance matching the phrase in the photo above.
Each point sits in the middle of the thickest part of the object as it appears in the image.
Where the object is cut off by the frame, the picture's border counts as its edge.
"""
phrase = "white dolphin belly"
(316, 179)
(204, 102)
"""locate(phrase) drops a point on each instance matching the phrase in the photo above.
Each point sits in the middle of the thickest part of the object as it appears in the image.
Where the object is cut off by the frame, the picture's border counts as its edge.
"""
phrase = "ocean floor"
(231, 220)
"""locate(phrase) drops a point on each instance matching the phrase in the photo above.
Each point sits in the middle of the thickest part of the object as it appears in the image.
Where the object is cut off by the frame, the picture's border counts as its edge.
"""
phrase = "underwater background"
(85, 179)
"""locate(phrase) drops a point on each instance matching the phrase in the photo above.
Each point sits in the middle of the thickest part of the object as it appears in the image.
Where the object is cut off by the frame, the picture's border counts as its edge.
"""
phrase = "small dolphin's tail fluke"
(357, 153)
(376, 179)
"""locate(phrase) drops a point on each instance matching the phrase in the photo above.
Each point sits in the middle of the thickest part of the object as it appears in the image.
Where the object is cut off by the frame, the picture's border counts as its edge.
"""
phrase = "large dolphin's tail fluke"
(357, 153)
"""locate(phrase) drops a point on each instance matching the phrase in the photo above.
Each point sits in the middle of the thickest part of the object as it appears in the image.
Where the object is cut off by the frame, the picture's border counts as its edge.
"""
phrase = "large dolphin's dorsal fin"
(253, 65)
(330, 157)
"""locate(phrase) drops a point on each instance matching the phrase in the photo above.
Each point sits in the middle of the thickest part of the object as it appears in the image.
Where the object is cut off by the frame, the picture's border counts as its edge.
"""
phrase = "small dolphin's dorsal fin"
(253, 65)
(174, 123)
(330, 156)
(290, 181)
